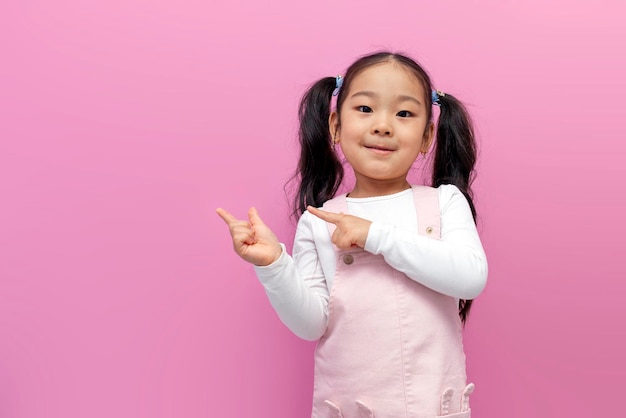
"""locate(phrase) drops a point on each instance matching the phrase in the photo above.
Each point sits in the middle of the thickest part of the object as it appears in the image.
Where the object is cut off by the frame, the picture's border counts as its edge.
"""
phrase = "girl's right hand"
(252, 240)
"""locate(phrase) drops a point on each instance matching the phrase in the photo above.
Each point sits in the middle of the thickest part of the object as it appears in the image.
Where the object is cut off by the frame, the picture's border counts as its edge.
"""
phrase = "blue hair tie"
(338, 84)
(435, 95)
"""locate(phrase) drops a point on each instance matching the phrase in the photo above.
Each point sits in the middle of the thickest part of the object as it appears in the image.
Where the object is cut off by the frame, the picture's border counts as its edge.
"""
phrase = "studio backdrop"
(125, 124)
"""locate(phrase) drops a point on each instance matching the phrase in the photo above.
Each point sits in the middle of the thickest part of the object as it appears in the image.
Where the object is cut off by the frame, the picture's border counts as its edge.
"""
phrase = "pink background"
(124, 124)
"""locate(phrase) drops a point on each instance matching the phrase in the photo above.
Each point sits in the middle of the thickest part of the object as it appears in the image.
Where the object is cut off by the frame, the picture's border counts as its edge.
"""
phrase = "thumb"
(254, 217)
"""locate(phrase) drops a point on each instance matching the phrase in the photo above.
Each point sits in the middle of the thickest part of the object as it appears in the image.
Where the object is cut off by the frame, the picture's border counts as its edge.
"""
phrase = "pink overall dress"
(393, 347)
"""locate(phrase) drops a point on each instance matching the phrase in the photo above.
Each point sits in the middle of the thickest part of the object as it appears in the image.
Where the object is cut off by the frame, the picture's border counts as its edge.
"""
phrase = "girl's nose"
(382, 127)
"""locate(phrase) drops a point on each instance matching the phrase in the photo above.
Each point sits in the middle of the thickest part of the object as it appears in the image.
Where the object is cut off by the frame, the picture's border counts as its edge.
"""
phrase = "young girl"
(383, 276)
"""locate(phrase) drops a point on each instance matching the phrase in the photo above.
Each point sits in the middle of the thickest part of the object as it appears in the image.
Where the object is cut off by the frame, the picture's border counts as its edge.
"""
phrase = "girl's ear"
(429, 134)
(333, 126)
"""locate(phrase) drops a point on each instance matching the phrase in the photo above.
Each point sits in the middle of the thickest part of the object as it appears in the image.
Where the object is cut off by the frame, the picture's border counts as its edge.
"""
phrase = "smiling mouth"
(379, 148)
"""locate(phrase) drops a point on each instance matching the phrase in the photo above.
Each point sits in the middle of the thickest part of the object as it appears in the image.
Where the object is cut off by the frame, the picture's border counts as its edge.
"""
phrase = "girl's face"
(383, 128)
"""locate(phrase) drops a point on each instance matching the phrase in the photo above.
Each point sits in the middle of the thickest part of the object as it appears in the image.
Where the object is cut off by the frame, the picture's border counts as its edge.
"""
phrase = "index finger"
(227, 217)
(331, 217)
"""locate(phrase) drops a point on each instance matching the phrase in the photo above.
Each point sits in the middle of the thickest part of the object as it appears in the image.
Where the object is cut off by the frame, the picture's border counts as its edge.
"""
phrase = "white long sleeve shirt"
(298, 287)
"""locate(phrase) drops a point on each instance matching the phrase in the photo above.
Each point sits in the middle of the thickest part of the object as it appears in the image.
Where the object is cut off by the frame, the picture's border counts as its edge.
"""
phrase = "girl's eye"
(404, 113)
(364, 109)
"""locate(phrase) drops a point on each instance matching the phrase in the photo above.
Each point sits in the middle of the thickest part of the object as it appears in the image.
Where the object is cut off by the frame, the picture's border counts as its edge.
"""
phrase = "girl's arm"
(456, 265)
(296, 286)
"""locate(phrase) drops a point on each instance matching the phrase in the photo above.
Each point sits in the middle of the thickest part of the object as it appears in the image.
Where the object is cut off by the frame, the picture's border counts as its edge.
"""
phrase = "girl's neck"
(378, 188)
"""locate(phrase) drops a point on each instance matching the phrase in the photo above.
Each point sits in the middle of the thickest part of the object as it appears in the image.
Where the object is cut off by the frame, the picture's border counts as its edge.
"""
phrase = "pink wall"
(124, 124)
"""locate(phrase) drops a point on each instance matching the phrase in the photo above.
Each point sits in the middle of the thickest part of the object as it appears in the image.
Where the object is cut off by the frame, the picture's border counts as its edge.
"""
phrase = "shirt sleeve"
(296, 286)
(456, 265)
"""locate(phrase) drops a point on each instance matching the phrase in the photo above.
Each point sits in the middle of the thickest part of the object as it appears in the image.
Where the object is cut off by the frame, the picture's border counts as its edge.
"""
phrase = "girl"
(383, 276)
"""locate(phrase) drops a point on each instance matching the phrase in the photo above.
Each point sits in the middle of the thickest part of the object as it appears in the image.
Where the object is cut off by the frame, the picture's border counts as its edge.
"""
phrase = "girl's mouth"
(379, 149)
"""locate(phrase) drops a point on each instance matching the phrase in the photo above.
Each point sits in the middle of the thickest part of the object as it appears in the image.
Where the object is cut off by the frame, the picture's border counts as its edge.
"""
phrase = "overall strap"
(428, 213)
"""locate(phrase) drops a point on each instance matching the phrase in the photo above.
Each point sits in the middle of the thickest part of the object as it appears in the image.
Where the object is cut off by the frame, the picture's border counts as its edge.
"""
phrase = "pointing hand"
(351, 230)
(252, 239)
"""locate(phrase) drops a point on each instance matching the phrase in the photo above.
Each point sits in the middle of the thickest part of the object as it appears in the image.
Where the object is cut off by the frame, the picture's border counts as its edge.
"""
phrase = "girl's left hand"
(351, 230)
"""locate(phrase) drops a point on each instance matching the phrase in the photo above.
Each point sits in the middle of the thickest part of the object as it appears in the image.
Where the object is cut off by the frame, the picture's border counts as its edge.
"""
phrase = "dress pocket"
(334, 410)
(462, 414)
(446, 403)
(364, 410)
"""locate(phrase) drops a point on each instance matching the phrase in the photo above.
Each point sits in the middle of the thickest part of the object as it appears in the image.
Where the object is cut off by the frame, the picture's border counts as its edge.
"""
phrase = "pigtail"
(319, 170)
(455, 157)
(455, 153)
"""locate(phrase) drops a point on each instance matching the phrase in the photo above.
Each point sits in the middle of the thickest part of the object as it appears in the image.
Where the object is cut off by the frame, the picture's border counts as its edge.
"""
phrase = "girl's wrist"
(271, 260)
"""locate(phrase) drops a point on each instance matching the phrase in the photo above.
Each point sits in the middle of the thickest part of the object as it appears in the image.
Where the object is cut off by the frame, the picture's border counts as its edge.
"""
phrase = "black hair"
(319, 170)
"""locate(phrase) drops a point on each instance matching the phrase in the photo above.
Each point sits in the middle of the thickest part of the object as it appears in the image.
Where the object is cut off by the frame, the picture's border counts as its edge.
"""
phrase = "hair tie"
(338, 84)
(435, 95)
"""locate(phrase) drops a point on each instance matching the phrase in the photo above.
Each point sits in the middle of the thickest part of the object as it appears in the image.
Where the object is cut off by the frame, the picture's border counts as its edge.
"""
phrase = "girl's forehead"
(389, 78)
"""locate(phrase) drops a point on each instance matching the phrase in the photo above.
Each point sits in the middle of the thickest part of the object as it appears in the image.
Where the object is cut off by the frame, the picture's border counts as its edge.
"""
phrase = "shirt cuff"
(268, 273)
(375, 237)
